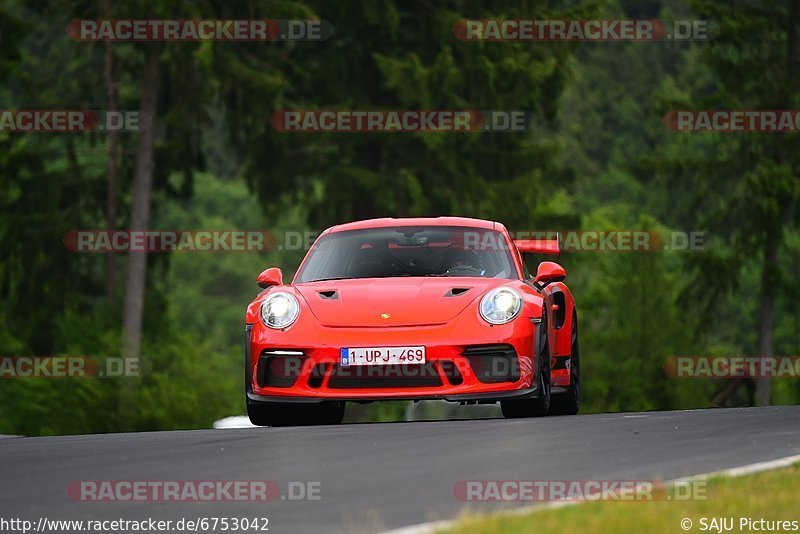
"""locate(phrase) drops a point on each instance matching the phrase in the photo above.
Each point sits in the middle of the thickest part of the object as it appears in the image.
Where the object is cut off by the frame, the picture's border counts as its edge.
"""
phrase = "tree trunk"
(112, 193)
(140, 214)
(766, 312)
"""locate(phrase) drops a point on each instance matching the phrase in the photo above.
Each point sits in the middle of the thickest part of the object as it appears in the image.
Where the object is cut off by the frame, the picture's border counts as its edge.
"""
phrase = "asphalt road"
(376, 476)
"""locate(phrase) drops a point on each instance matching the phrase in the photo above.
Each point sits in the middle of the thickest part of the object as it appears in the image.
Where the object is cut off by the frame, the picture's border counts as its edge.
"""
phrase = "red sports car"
(412, 309)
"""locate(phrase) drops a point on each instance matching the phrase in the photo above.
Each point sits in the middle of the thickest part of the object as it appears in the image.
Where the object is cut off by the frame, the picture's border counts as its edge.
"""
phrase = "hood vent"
(329, 295)
(456, 291)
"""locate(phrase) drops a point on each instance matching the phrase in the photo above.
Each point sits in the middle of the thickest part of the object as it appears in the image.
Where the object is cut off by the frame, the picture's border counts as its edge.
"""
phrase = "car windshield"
(409, 251)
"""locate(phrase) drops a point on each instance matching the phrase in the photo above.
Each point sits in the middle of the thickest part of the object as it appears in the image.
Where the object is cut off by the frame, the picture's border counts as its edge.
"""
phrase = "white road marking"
(749, 469)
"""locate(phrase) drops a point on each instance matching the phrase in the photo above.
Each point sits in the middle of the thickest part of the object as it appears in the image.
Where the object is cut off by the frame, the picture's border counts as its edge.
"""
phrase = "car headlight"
(280, 310)
(500, 305)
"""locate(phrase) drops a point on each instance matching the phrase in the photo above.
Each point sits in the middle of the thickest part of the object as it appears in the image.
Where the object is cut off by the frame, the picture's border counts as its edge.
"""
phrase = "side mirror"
(271, 277)
(548, 272)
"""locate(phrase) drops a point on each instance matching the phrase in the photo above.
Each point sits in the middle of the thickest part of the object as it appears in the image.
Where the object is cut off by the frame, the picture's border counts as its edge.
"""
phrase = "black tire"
(539, 406)
(324, 413)
(569, 403)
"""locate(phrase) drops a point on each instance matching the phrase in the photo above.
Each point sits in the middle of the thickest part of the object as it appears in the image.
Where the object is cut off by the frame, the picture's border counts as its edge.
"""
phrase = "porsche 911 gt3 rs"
(412, 309)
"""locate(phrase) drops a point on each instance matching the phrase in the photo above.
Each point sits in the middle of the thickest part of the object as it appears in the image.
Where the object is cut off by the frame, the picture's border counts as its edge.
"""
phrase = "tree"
(755, 60)
(400, 55)
(140, 212)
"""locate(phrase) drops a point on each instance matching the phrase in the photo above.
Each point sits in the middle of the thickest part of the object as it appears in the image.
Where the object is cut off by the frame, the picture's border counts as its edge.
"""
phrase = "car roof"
(390, 222)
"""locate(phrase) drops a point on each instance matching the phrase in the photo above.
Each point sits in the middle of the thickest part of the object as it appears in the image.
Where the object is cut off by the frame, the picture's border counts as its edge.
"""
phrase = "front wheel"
(538, 407)
(277, 414)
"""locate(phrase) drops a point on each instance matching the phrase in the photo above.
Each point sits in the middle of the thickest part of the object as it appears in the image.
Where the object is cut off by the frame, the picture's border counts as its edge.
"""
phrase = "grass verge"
(771, 496)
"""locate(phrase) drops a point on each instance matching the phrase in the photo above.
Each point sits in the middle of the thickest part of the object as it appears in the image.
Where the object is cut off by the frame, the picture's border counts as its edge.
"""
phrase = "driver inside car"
(463, 262)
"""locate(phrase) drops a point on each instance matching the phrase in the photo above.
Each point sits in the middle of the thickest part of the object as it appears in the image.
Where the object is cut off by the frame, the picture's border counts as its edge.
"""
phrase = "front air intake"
(279, 368)
(494, 363)
(384, 376)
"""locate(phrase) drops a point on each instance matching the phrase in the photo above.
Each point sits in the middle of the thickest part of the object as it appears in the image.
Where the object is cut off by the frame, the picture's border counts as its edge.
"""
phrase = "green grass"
(772, 495)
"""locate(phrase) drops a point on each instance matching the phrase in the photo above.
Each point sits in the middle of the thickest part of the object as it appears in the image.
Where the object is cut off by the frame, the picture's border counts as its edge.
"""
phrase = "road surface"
(383, 475)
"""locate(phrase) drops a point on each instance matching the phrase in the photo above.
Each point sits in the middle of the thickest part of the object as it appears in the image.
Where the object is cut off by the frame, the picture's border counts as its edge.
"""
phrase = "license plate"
(382, 355)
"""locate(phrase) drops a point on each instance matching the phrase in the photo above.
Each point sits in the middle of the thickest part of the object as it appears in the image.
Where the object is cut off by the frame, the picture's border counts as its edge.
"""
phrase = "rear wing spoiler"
(539, 246)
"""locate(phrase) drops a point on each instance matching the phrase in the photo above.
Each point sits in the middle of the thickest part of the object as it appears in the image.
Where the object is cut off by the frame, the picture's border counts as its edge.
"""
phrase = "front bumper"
(464, 362)
(489, 397)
